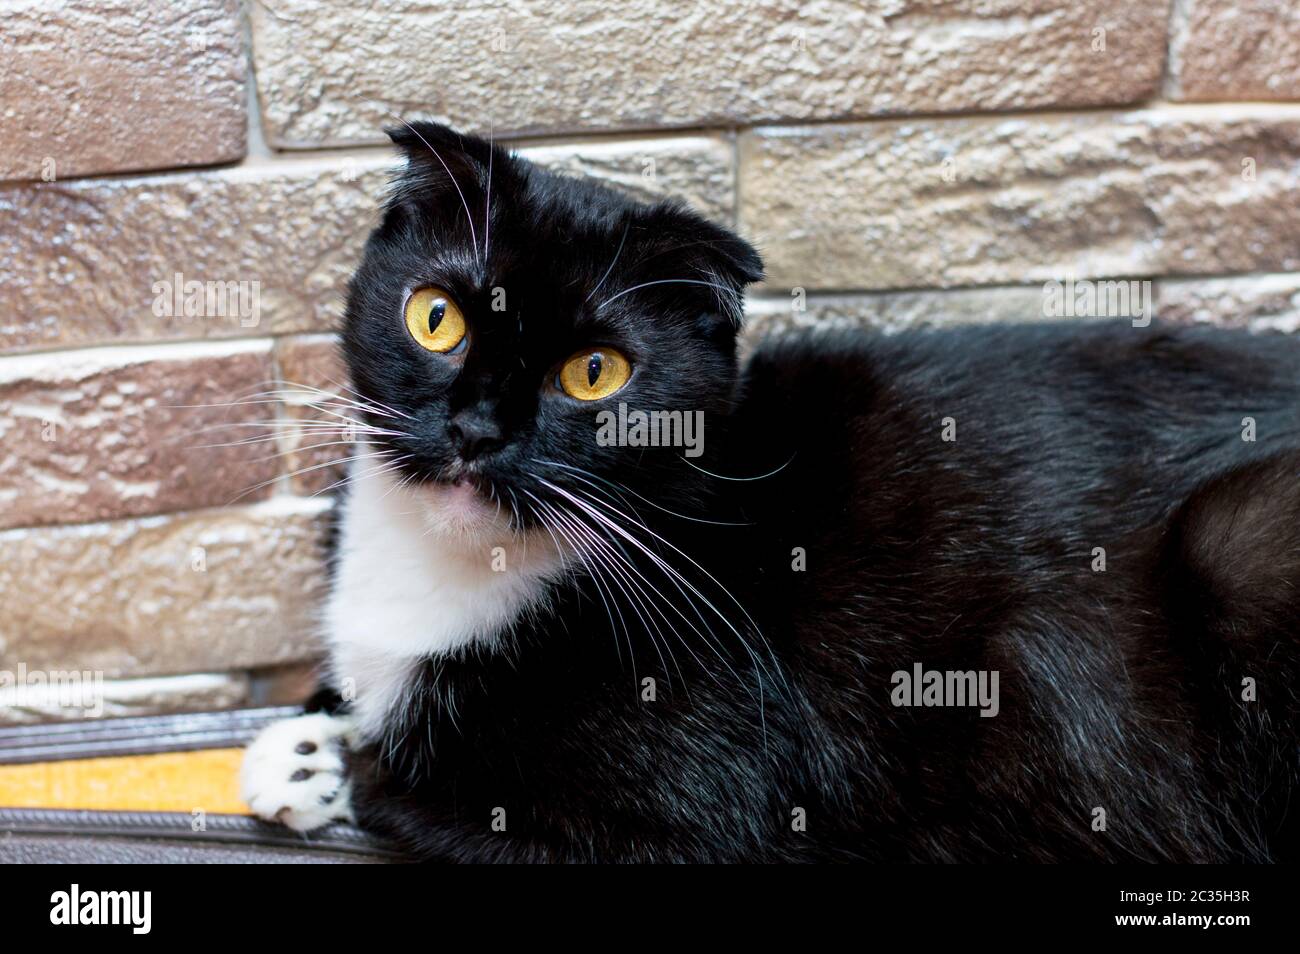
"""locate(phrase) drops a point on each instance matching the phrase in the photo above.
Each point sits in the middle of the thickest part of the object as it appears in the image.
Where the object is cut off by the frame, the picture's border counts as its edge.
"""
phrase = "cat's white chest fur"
(422, 571)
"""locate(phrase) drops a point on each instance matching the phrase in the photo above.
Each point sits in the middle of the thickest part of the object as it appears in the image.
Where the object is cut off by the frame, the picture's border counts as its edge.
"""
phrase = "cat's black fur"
(1119, 689)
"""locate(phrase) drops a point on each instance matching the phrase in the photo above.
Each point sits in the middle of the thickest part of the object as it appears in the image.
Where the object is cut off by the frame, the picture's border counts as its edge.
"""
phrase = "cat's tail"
(1236, 542)
(1230, 574)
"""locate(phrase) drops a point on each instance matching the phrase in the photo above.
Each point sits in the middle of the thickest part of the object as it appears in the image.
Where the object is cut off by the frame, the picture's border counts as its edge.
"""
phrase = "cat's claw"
(294, 772)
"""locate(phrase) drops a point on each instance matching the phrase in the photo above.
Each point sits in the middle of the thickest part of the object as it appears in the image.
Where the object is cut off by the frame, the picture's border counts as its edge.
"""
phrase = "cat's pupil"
(435, 315)
(593, 368)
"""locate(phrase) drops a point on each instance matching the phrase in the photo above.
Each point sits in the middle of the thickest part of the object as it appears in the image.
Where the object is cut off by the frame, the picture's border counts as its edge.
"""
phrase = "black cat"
(1018, 593)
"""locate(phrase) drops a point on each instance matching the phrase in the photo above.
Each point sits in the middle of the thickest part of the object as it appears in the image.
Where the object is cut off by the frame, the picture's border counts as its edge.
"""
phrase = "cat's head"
(499, 308)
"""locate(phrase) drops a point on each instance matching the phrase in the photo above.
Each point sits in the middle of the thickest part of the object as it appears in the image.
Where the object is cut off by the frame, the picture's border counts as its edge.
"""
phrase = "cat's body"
(694, 659)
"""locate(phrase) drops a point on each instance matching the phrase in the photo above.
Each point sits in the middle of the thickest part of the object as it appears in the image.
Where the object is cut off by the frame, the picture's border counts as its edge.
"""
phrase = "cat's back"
(1104, 515)
(991, 459)
(1099, 406)
(997, 364)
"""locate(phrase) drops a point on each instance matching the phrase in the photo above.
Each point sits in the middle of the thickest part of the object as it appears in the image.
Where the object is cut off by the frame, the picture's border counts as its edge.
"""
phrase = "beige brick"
(292, 231)
(112, 432)
(1235, 49)
(215, 590)
(891, 312)
(112, 698)
(926, 203)
(1255, 302)
(331, 73)
(697, 169)
(91, 86)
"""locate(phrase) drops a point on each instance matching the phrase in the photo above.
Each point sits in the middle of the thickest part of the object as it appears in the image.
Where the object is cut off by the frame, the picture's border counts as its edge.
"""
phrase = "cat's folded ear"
(428, 142)
(438, 157)
(445, 171)
(708, 251)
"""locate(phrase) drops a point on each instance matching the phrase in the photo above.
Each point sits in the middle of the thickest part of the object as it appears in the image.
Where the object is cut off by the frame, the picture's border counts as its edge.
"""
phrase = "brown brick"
(563, 65)
(942, 203)
(291, 231)
(285, 685)
(311, 360)
(215, 590)
(103, 433)
(310, 364)
(1235, 49)
(91, 86)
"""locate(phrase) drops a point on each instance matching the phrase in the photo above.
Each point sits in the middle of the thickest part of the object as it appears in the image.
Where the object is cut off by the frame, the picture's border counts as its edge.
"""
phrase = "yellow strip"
(206, 780)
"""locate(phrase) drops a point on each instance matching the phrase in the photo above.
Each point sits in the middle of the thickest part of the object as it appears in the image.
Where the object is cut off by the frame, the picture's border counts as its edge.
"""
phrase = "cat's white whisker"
(620, 489)
(770, 473)
(618, 251)
(759, 664)
(468, 215)
(306, 470)
(620, 564)
(668, 281)
(386, 467)
(302, 448)
(487, 202)
(370, 402)
(608, 566)
(611, 605)
(673, 577)
(352, 399)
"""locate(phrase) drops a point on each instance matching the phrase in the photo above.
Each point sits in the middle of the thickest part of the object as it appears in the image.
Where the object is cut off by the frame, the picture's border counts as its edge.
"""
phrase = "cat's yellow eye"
(434, 320)
(594, 373)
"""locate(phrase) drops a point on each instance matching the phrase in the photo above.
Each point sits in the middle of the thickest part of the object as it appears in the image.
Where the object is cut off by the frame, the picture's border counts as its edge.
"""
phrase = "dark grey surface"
(54, 836)
(22, 849)
(136, 735)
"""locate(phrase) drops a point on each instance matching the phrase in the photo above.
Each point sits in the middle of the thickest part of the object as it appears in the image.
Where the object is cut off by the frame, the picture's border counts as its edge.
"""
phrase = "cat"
(549, 641)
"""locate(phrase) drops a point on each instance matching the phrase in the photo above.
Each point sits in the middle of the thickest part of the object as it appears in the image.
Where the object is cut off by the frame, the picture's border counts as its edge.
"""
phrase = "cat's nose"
(475, 434)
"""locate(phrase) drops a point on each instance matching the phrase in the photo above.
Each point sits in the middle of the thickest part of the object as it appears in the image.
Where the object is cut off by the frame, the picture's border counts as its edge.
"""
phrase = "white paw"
(294, 773)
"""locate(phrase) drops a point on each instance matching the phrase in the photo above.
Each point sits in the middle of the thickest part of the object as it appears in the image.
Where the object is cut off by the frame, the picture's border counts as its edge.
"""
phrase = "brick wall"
(900, 163)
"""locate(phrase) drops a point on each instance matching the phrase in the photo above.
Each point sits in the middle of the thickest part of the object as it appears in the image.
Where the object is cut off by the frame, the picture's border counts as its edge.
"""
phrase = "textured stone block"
(114, 698)
(96, 261)
(330, 72)
(894, 311)
(102, 433)
(90, 86)
(1255, 302)
(1235, 49)
(940, 203)
(216, 590)
(317, 431)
